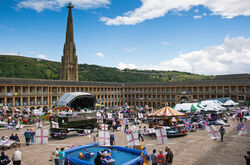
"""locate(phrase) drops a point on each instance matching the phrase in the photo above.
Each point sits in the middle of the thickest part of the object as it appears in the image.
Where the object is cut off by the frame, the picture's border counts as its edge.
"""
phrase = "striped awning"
(167, 111)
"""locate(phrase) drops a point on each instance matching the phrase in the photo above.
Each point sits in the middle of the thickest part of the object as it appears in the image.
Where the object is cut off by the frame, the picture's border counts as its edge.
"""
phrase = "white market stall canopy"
(212, 105)
(193, 107)
(230, 103)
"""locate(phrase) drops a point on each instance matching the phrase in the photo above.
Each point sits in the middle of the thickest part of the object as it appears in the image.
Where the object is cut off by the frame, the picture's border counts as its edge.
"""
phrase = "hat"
(57, 147)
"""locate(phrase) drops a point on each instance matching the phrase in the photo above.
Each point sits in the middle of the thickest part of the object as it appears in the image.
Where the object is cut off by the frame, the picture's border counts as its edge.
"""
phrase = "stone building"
(31, 93)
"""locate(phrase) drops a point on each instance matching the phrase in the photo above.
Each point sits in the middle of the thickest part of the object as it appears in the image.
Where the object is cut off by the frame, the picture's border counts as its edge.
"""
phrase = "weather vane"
(70, 5)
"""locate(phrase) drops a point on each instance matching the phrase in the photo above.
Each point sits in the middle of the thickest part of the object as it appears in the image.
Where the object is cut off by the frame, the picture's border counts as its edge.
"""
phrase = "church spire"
(69, 65)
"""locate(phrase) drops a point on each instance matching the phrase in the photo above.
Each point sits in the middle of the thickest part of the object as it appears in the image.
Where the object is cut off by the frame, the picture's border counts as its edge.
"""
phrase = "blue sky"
(208, 36)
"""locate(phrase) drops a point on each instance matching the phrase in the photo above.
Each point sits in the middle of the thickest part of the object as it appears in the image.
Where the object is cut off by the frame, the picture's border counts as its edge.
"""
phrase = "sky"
(207, 37)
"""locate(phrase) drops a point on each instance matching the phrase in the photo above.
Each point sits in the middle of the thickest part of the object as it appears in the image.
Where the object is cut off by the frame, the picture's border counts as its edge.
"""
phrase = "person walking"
(140, 134)
(169, 156)
(126, 124)
(112, 139)
(17, 157)
(27, 137)
(4, 159)
(56, 155)
(222, 132)
(61, 157)
(154, 157)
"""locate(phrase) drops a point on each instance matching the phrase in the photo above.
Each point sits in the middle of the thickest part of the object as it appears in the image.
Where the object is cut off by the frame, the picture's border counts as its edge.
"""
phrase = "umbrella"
(167, 112)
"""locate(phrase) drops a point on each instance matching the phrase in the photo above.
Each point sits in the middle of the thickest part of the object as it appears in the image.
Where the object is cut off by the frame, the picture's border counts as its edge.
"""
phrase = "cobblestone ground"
(195, 148)
(229, 152)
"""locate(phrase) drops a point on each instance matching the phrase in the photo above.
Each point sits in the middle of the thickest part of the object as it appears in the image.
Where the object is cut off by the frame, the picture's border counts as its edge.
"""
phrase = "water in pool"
(119, 156)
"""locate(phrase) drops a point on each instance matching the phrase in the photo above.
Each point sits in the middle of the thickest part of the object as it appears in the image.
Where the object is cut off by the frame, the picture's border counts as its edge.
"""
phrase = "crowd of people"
(16, 158)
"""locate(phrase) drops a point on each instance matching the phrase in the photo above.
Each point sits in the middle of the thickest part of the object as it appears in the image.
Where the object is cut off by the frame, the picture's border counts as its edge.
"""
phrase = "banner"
(54, 124)
(120, 116)
(243, 130)
(104, 138)
(140, 115)
(39, 124)
(161, 135)
(133, 139)
(110, 115)
(104, 127)
(213, 133)
(41, 136)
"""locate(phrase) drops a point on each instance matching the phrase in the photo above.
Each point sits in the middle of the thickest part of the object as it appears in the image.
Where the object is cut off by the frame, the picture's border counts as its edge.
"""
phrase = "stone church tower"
(69, 64)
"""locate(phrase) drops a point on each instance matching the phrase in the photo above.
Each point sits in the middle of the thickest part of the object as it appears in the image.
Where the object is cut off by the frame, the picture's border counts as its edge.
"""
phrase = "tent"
(212, 105)
(189, 107)
(230, 103)
(167, 112)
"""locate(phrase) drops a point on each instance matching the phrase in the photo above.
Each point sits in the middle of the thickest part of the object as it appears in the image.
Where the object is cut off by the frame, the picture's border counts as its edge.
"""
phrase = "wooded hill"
(25, 67)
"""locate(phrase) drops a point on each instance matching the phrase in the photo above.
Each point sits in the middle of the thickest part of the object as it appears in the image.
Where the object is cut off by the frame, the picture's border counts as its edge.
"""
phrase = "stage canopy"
(76, 100)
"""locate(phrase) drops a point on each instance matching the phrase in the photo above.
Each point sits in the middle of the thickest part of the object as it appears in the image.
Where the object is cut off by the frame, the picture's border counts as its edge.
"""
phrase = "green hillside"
(24, 67)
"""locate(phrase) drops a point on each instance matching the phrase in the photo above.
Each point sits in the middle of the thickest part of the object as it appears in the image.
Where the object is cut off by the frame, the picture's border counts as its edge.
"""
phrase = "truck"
(60, 125)
(82, 118)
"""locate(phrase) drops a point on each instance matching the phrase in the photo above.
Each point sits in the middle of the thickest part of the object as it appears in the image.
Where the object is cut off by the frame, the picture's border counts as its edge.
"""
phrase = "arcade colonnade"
(30, 93)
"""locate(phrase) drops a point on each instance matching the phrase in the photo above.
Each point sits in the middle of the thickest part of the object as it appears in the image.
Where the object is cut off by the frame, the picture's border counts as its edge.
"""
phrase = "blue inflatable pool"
(121, 155)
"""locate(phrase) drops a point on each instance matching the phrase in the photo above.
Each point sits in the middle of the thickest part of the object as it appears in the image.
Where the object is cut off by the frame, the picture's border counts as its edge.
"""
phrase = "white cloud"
(197, 16)
(151, 9)
(126, 66)
(40, 5)
(99, 54)
(10, 53)
(42, 56)
(165, 43)
(196, 10)
(129, 49)
(232, 56)
(6, 28)
(204, 14)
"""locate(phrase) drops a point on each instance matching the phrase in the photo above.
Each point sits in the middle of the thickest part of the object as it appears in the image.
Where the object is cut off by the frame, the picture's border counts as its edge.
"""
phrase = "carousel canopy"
(167, 111)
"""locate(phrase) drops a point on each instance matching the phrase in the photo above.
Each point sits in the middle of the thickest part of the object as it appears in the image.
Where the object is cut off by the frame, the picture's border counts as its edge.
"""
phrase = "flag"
(39, 124)
(104, 127)
(19, 126)
(204, 123)
(243, 130)
(74, 115)
(133, 139)
(140, 115)
(161, 135)
(239, 126)
(9, 127)
(209, 116)
(110, 115)
(124, 121)
(54, 124)
(187, 125)
(104, 138)
(98, 114)
(213, 133)
(41, 136)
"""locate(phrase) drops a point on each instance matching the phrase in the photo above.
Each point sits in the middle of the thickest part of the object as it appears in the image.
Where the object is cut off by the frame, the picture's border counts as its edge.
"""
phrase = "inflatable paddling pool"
(120, 155)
